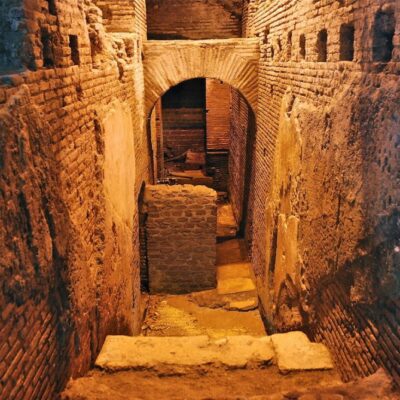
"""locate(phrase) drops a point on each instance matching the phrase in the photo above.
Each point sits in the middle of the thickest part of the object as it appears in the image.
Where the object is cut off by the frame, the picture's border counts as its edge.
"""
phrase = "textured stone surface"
(157, 353)
(295, 352)
(214, 384)
(235, 278)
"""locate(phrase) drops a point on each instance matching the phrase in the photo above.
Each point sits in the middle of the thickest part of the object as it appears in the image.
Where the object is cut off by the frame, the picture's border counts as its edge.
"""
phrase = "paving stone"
(245, 305)
(235, 285)
(158, 353)
(294, 352)
(234, 270)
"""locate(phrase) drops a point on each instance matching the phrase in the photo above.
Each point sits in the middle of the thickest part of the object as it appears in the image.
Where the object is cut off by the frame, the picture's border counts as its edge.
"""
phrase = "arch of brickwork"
(170, 62)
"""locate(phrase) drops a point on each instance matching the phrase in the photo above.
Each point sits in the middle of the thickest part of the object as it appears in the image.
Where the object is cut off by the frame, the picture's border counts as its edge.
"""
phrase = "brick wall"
(178, 141)
(324, 181)
(123, 16)
(242, 163)
(194, 19)
(218, 104)
(183, 129)
(237, 161)
(217, 167)
(181, 230)
(183, 118)
(66, 285)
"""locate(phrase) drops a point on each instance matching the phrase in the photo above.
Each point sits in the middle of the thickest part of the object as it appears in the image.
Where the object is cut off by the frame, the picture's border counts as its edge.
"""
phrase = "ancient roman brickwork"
(69, 238)
(184, 129)
(181, 230)
(237, 160)
(165, 65)
(218, 103)
(325, 243)
(241, 163)
(193, 19)
(123, 16)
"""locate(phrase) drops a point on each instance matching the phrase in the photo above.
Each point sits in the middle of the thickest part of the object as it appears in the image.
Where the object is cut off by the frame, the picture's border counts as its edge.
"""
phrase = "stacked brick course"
(181, 231)
(193, 19)
(218, 114)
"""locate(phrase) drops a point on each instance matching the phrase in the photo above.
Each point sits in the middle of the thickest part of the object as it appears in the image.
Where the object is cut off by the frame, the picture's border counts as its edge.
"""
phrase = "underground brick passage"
(199, 199)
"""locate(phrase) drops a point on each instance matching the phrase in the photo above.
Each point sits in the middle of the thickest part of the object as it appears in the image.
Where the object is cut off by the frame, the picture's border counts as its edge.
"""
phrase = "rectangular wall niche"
(181, 238)
(384, 29)
(73, 44)
(47, 48)
(347, 42)
(52, 7)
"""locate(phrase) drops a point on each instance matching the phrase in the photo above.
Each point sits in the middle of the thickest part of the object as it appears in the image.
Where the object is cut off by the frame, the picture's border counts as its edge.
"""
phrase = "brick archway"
(170, 62)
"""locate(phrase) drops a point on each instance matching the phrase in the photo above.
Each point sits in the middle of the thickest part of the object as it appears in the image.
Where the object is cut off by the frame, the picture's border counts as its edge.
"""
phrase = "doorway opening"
(205, 133)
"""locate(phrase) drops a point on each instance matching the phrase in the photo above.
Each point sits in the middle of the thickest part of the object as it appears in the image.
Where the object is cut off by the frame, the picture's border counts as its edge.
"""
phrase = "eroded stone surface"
(206, 313)
(235, 285)
(123, 352)
(294, 352)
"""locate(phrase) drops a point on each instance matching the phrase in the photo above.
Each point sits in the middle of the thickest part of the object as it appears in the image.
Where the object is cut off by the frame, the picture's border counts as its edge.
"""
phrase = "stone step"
(290, 351)
(156, 353)
(235, 278)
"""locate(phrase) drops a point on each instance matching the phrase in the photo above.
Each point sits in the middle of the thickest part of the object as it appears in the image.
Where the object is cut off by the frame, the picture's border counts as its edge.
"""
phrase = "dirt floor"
(229, 310)
(182, 316)
(217, 384)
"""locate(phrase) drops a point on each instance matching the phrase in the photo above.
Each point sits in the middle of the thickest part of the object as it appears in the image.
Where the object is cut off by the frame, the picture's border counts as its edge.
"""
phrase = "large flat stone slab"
(235, 285)
(156, 353)
(294, 352)
(234, 270)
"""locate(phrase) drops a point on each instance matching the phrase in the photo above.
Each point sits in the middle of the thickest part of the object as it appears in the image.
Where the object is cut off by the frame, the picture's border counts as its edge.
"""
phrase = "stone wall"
(325, 243)
(181, 238)
(193, 19)
(69, 230)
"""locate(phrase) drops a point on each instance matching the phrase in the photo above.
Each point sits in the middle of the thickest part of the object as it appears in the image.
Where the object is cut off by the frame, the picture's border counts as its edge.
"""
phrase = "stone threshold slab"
(289, 351)
(123, 352)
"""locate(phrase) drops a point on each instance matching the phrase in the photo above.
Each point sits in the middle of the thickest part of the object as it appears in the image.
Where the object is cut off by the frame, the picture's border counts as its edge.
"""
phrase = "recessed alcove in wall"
(74, 47)
(302, 46)
(322, 46)
(384, 29)
(47, 40)
(289, 44)
(347, 33)
(51, 4)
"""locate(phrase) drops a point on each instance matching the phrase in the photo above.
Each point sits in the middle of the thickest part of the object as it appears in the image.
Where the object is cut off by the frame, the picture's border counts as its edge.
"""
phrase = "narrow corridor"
(199, 200)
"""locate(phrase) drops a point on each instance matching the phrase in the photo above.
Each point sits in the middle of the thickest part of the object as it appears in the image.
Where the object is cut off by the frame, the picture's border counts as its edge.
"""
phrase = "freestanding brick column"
(181, 238)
